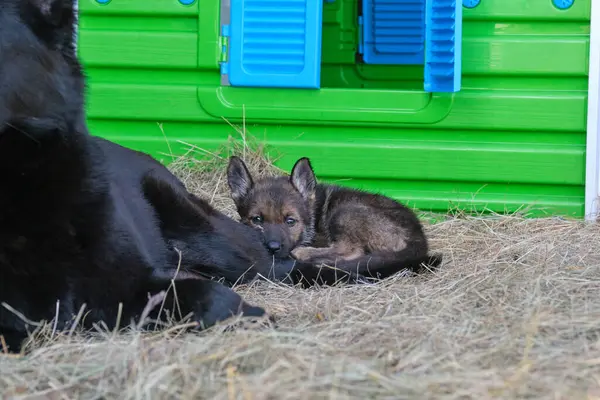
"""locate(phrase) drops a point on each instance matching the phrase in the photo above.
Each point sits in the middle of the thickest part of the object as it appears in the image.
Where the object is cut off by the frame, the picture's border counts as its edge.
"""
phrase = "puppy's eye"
(257, 220)
(290, 221)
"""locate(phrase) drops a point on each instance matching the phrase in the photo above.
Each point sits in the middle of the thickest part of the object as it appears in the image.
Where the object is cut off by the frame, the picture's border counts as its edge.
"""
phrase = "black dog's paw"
(222, 303)
(252, 311)
(209, 303)
(431, 263)
(435, 260)
(254, 317)
(258, 316)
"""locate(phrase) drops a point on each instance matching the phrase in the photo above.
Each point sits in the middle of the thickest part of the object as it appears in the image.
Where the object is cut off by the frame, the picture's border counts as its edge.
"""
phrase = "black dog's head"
(41, 83)
(280, 207)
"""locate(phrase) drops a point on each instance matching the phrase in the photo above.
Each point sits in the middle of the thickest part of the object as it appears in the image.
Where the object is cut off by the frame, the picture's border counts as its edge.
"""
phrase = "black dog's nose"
(273, 246)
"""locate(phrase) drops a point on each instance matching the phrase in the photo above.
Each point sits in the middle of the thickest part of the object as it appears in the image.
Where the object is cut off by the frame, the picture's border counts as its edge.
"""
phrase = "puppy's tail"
(385, 264)
(361, 270)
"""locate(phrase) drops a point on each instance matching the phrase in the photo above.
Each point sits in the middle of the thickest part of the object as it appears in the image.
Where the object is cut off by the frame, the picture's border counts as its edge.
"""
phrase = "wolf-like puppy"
(322, 223)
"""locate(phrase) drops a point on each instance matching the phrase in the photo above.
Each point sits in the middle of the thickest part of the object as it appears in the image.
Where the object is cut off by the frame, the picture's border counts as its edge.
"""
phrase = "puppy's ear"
(303, 178)
(239, 179)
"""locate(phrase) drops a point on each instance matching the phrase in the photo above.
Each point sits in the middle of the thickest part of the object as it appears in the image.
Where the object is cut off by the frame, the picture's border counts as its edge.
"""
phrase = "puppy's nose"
(274, 246)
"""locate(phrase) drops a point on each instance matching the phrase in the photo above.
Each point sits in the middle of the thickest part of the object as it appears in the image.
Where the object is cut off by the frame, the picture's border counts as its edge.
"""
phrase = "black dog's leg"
(208, 301)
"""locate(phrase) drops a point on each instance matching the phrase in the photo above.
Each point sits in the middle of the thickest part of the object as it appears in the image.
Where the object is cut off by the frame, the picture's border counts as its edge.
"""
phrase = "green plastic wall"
(513, 137)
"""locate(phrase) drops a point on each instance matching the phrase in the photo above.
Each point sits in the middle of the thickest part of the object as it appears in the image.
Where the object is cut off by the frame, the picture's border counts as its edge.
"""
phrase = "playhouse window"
(276, 44)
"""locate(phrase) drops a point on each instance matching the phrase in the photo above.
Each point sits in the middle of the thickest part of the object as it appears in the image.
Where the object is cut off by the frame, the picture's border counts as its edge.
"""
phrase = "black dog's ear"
(53, 22)
(239, 179)
(303, 178)
(54, 12)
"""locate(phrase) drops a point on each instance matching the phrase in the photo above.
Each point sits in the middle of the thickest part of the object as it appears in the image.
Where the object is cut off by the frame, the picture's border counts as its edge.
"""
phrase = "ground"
(514, 312)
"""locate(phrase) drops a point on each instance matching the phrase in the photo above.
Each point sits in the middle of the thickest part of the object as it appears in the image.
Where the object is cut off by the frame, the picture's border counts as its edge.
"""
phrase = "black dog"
(86, 221)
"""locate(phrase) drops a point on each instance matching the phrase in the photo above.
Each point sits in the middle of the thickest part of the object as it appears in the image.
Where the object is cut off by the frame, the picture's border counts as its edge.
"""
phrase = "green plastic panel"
(513, 137)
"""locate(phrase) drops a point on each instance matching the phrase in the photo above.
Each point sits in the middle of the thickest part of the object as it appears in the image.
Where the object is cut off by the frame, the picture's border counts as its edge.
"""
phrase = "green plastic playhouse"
(478, 104)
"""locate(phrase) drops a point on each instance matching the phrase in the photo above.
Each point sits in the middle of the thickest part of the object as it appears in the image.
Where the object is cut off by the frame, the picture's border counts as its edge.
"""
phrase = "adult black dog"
(86, 221)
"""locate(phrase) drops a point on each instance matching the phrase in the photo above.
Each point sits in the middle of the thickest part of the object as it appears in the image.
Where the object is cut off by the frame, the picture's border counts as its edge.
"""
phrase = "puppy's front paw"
(302, 253)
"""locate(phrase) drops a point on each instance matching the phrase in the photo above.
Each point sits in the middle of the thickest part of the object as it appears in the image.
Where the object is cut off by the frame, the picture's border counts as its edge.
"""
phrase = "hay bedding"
(514, 313)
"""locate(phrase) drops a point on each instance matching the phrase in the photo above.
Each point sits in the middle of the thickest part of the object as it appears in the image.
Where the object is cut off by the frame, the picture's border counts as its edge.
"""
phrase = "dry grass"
(513, 313)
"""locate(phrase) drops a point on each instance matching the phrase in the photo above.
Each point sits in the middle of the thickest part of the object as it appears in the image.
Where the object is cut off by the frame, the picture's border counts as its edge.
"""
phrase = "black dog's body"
(86, 221)
(78, 229)
(76, 225)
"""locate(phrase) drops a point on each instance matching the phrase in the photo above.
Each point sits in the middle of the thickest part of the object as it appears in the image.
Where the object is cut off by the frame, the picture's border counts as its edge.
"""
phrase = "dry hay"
(514, 313)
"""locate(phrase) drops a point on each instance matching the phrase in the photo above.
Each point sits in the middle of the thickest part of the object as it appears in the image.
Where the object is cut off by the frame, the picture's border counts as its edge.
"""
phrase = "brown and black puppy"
(322, 223)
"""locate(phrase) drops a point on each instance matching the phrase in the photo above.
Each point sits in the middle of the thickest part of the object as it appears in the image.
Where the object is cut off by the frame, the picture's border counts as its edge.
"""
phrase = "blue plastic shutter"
(275, 43)
(393, 31)
(443, 45)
